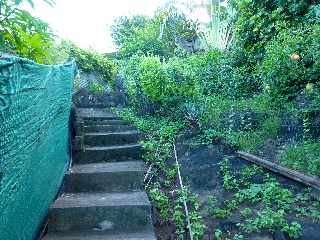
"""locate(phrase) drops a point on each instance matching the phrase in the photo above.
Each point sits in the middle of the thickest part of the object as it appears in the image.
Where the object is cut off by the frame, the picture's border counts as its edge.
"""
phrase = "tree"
(23, 34)
(124, 28)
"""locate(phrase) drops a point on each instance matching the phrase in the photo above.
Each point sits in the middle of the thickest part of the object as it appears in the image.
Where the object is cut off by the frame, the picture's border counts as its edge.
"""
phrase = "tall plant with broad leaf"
(219, 32)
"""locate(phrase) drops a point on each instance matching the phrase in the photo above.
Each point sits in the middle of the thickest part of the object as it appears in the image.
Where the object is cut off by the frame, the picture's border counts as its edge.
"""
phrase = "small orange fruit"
(295, 57)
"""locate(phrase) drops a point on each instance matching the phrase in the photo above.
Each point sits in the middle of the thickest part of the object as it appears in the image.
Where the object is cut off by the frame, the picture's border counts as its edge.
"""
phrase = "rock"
(278, 235)
(310, 230)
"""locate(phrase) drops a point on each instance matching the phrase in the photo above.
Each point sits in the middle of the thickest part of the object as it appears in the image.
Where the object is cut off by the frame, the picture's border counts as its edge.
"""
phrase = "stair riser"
(104, 122)
(104, 182)
(103, 140)
(93, 106)
(117, 218)
(100, 118)
(112, 155)
(93, 235)
(108, 128)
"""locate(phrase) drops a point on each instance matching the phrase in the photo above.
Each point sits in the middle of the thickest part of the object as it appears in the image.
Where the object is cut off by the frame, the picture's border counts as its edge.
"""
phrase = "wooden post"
(289, 173)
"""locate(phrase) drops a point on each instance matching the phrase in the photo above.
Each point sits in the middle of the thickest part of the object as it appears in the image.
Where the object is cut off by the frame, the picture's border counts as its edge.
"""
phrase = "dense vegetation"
(260, 93)
(24, 34)
(249, 78)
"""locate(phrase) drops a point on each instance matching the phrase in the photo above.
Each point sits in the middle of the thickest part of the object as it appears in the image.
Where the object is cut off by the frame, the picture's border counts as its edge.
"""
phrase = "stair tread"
(109, 125)
(130, 166)
(145, 235)
(91, 111)
(102, 148)
(112, 133)
(79, 200)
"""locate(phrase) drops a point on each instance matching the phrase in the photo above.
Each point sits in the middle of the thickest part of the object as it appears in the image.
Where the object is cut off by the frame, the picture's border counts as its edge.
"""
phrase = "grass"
(250, 140)
(303, 157)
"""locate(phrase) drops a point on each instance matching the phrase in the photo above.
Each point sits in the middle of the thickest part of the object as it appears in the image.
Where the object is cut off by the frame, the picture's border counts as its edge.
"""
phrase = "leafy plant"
(229, 180)
(23, 34)
(96, 88)
(161, 201)
(303, 157)
(292, 61)
(89, 61)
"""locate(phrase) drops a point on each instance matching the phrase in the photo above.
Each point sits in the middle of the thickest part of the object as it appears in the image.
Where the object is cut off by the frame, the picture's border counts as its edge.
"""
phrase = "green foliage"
(259, 21)
(179, 219)
(161, 201)
(96, 88)
(175, 27)
(160, 35)
(229, 181)
(154, 81)
(217, 234)
(304, 157)
(145, 41)
(241, 94)
(268, 219)
(89, 61)
(23, 34)
(124, 28)
(184, 79)
(246, 213)
(292, 61)
(132, 77)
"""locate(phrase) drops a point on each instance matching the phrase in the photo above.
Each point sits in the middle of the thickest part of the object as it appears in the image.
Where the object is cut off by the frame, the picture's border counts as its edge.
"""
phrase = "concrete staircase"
(104, 195)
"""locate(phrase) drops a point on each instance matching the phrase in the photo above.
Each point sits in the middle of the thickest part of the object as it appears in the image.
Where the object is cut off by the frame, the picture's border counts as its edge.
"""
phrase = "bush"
(145, 41)
(184, 77)
(89, 61)
(261, 20)
(132, 76)
(292, 61)
(224, 74)
(154, 80)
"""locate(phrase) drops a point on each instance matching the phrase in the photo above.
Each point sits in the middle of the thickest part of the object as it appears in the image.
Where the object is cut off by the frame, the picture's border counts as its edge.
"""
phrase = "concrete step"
(92, 122)
(108, 128)
(93, 235)
(104, 212)
(93, 106)
(106, 177)
(113, 138)
(96, 114)
(118, 153)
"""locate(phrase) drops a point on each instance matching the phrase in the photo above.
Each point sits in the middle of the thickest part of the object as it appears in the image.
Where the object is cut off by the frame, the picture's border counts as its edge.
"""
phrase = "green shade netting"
(35, 102)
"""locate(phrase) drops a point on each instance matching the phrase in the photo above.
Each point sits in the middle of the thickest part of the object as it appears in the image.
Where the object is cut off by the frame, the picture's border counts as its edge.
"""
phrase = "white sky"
(86, 22)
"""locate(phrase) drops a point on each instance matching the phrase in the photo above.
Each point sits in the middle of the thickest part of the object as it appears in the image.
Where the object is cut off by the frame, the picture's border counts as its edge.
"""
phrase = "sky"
(87, 23)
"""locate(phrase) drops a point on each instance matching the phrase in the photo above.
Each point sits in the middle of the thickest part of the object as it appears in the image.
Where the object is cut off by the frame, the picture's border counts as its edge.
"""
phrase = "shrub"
(96, 88)
(292, 61)
(123, 28)
(183, 76)
(132, 76)
(261, 20)
(207, 66)
(154, 80)
(89, 61)
(145, 41)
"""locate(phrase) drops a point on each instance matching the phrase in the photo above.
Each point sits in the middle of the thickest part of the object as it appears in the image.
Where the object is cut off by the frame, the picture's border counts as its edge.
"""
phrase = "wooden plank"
(289, 173)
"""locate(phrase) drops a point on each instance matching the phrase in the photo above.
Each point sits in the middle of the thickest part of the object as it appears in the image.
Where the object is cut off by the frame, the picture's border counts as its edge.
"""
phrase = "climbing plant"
(90, 61)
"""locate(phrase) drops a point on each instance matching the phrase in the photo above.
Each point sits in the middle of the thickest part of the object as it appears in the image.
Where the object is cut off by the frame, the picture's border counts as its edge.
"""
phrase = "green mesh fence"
(35, 104)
